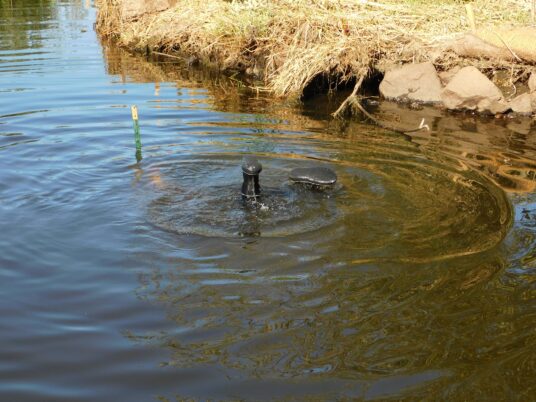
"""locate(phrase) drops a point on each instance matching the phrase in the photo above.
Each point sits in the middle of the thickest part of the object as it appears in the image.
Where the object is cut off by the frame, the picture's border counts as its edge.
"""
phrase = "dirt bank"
(290, 44)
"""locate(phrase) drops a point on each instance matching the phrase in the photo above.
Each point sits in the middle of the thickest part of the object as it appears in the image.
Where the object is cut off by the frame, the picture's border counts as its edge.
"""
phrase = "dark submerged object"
(316, 176)
(251, 168)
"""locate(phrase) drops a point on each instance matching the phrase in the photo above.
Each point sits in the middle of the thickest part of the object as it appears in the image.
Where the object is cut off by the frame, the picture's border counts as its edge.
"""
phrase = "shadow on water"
(413, 283)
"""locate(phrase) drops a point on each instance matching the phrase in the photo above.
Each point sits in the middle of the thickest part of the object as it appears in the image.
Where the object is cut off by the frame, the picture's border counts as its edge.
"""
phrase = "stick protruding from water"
(137, 135)
(134, 110)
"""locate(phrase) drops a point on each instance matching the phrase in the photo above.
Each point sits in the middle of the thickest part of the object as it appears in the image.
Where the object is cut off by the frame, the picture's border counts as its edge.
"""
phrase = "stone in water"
(320, 176)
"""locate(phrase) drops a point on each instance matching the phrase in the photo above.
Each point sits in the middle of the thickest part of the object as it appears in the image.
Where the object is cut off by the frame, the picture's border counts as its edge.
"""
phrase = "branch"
(508, 47)
(353, 100)
(348, 101)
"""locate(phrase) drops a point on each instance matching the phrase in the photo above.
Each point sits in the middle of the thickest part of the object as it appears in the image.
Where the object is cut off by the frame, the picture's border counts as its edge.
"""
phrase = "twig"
(342, 108)
(353, 100)
(508, 47)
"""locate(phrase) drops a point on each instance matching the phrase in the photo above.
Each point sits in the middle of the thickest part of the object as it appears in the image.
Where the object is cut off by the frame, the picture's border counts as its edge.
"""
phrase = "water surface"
(148, 279)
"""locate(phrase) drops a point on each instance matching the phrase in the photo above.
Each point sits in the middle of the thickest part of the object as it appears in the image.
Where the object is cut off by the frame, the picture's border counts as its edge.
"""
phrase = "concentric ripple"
(394, 210)
(202, 197)
(137, 280)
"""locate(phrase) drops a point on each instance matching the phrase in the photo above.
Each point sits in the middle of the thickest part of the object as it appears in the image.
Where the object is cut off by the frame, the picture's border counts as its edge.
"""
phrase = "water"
(131, 280)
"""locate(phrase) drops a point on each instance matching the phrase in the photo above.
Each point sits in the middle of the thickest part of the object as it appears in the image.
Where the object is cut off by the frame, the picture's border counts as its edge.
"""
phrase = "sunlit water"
(126, 280)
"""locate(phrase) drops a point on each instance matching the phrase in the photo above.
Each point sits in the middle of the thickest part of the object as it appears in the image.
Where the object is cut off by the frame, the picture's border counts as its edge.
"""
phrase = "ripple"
(412, 279)
(203, 198)
(397, 210)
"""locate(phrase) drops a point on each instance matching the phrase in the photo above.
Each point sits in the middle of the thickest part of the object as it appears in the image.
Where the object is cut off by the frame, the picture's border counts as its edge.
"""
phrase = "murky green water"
(413, 279)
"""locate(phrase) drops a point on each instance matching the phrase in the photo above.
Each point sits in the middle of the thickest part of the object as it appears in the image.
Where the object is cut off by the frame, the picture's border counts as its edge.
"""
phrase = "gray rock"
(521, 104)
(414, 82)
(320, 176)
(469, 89)
(446, 76)
(497, 107)
(532, 82)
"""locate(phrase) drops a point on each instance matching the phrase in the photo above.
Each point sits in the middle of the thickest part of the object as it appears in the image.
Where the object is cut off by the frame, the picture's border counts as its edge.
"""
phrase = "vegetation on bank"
(290, 42)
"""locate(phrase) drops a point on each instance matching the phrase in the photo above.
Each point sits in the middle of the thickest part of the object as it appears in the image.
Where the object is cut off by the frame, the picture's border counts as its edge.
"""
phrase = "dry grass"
(292, 41)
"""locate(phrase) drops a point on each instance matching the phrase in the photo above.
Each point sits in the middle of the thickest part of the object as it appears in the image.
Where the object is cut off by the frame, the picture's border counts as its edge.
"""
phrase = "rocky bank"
(463, 89)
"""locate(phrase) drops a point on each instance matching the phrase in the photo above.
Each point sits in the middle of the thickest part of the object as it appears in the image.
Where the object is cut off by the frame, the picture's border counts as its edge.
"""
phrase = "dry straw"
(292, 41)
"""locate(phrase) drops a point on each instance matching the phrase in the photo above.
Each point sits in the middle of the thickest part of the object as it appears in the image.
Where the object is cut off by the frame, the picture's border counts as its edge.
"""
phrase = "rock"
(532, 82)
(320, 176)
(533, 101)
(471, 45)
(135, 8)
(498, 43)
(521, 104)
(414, 82)
(520, 41)
(446, 76)
(471, 90)
(495, 107)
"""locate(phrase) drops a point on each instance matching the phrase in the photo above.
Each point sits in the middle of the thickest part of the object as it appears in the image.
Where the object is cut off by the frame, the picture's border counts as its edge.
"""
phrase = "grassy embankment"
(290, 42)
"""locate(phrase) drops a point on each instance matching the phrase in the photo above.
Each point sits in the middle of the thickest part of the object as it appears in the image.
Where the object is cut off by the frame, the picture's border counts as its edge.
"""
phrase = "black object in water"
(316, 176)
(251, 168)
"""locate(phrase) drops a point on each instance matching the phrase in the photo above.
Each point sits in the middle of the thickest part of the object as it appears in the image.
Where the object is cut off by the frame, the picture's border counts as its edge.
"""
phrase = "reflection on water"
(504, 150)
(418, 289)
(40, 15)
(145, 280)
